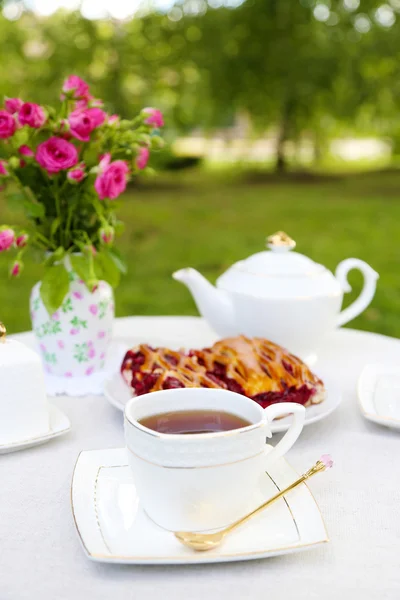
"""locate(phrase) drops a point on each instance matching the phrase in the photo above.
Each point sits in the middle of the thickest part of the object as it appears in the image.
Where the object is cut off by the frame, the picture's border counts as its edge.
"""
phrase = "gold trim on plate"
(189, 557)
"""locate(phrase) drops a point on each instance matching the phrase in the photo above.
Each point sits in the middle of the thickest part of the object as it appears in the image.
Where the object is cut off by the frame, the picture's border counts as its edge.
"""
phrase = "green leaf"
(54, 287)
(106, 269)
(118, 260)
(55, 225)
(56, 256)
(81, 266)
(34, 211)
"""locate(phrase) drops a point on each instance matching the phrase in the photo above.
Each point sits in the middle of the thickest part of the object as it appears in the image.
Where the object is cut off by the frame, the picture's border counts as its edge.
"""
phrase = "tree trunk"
(283, 136)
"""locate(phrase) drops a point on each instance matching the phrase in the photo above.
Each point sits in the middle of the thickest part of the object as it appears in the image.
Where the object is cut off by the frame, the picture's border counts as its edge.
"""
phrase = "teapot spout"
(213, 304)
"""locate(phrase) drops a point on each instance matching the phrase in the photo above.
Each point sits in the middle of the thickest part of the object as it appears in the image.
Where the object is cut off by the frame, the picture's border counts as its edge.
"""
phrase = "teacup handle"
(280, 410)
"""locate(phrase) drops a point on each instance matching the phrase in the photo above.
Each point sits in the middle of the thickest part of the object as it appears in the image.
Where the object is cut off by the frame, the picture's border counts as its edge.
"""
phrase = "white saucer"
(114, 528)
(118, 393)
(379, 394)
(59, 424)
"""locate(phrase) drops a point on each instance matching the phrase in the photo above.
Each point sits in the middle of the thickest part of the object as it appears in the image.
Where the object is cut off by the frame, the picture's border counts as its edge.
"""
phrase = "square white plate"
(379, 394)
(114, 528)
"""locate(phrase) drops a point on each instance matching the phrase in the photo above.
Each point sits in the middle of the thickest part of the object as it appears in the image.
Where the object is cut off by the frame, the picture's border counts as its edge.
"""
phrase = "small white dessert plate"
(59, 424)
(118, 393)
(114, 528)
(379, 394)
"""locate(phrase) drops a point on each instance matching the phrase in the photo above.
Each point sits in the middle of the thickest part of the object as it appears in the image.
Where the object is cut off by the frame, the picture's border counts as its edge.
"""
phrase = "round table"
(41, 557)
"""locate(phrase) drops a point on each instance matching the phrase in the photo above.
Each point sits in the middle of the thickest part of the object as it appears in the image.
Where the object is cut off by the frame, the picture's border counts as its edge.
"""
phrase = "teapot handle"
(367, 293)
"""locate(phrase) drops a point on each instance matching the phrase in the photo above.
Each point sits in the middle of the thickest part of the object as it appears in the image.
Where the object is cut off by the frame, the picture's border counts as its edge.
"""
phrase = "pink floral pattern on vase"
(73, 341)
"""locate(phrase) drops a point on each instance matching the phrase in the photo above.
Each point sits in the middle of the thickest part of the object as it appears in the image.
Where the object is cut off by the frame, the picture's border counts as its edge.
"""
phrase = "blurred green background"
(279, 115)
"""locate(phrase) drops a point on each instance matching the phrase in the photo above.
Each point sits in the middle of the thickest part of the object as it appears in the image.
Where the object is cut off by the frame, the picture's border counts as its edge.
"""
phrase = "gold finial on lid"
(3, 332)
(280, 239)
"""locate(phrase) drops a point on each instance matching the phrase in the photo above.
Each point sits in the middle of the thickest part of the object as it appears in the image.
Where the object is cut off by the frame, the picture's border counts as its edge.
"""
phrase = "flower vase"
(74, 340)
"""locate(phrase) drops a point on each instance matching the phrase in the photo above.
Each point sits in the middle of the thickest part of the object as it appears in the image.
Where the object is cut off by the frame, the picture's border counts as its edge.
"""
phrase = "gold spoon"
(208, 541)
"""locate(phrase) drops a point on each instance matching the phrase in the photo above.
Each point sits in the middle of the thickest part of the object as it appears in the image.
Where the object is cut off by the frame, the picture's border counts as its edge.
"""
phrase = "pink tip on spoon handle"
(327, 460)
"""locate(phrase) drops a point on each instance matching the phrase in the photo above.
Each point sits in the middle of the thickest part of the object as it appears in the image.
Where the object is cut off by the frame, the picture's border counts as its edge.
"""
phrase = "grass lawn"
(209, 220)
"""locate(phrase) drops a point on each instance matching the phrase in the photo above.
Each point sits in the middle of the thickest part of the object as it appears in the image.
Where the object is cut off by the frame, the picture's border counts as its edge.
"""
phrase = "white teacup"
(195, 482)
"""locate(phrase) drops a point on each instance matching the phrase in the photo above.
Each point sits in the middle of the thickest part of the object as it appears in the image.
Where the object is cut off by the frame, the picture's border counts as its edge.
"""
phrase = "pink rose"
(153, 116)
(12, 105)
(3, 168)
(113, 120)
(22, 240)
(81, 125)
(8, 125)
(15, 269)
(107, 235)
(77, 174)
(83, 122)
(89, 249)
(7, 237)
(97, 115)
(25, 151)
(105, 160)
(32, 115)
(111, 182)
(142, 158)
(56, 154)
(75, 84)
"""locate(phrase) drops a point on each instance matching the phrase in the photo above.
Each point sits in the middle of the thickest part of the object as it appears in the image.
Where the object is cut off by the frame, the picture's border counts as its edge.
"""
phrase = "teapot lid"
(278, 272)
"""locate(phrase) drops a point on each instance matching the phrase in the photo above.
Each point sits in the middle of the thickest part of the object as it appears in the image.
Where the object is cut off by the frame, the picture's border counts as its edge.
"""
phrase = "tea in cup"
(197, 454)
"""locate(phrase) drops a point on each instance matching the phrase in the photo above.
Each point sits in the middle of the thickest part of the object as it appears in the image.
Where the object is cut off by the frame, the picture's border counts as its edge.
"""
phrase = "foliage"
(69, 164)
(301, 68)
(208, 221)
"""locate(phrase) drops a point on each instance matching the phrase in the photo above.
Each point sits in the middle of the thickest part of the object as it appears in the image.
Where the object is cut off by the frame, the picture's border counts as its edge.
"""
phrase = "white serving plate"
(114, 528)
(118, 393)
(379, 394)
(59, 424)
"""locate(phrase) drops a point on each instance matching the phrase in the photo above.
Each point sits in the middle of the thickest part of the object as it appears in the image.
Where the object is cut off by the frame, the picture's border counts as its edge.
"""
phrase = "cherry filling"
(143, 382)
(299, 395)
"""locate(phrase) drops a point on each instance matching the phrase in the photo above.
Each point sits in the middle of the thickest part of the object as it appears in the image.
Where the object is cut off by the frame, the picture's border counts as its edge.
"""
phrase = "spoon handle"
(318, 467)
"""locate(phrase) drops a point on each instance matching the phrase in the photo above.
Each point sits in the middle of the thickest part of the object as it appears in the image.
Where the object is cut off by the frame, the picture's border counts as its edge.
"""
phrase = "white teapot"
(280, 295)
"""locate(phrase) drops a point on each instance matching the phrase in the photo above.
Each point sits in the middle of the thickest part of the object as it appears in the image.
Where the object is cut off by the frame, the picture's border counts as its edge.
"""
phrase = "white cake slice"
(23, 402)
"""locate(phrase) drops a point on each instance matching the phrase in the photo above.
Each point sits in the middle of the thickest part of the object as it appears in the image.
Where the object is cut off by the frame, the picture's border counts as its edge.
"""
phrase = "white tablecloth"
(41, 557)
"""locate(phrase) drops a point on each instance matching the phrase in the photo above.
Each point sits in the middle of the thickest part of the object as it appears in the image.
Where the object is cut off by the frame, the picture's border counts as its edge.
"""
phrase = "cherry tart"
(253, 367)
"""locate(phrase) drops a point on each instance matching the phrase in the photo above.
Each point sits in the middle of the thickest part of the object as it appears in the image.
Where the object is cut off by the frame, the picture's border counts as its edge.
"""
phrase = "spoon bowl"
(200, 541)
